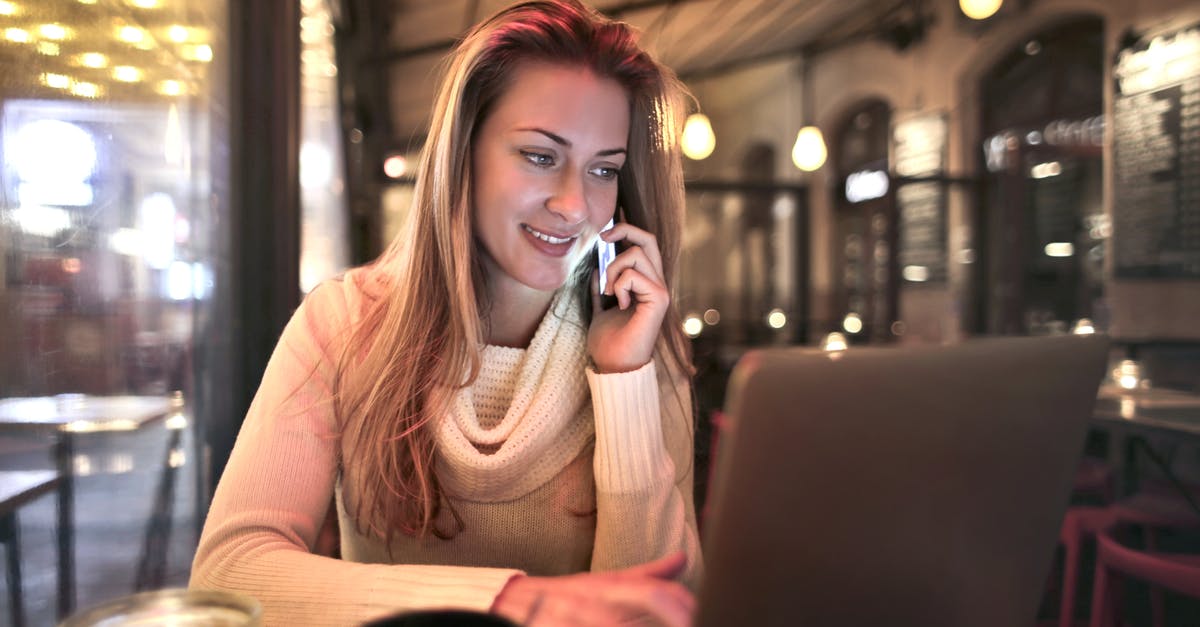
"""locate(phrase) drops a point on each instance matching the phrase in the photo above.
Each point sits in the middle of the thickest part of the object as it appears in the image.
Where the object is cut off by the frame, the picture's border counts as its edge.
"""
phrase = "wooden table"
(16, 489)
(64, 418)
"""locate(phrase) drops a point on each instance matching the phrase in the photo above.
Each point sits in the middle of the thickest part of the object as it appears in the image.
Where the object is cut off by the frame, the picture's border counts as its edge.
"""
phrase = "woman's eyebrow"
(562, 141)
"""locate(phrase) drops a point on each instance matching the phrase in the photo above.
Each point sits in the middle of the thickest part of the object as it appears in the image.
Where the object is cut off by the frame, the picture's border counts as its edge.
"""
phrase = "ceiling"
(697, 38)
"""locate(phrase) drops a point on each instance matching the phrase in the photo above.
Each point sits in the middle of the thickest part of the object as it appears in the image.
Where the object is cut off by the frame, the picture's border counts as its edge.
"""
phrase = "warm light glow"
(146, 4)
(915, 274)
(395, 166)
(852, 323)
(979, 9)
(1060, 249)
(1128, 374)
(776, 319)
(1083, 326)
(693, 325)
(809, 151)
(88, 1)
(202, 53)
(48, 48)
(712, 317)
(57, 81)
(170, 88)
(698, 139)
(7, 8)
(57, 32)
(177, 33)
(1045, 170)
(71, 265)
(127, 74)
(86, 90)
(834, 342)
(93, 60)
(131, 34)
(17, 35)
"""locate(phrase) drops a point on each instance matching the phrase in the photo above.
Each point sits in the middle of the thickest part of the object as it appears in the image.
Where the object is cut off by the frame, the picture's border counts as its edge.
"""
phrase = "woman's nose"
(568, 201)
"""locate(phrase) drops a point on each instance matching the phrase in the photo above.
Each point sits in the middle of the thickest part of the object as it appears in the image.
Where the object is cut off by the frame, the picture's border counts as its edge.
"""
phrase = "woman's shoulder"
(344, 299)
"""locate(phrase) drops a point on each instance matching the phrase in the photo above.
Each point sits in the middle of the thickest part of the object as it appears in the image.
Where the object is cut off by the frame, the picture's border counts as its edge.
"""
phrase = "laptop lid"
(914, 487)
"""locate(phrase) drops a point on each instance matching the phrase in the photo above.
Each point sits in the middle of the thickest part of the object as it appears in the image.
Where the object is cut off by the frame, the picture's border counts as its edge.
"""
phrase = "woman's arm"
(643, 466)
(273, 497)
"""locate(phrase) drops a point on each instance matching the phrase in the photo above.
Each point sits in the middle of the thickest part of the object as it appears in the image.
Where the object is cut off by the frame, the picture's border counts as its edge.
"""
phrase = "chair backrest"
(1178, 573)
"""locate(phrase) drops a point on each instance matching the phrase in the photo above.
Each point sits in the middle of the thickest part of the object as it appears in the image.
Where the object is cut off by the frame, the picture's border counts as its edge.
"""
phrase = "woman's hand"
(622, 339)
(641, 595)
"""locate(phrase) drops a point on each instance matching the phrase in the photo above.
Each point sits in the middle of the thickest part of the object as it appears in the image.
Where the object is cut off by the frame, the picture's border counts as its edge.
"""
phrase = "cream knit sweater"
(516, 453)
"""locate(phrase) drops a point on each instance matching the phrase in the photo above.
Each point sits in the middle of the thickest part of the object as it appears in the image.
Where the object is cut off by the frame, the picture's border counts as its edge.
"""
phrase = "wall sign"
(1156, 157)
(919, 151)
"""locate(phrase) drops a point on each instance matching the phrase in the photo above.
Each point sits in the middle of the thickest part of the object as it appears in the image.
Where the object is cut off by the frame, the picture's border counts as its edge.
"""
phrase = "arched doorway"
(1042, 227)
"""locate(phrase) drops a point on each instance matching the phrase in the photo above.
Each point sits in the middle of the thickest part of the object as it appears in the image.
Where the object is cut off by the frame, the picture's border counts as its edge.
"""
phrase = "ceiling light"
(86, 90)
(57, 81)
(127, 74)
(48, 48)
(146, 4)
(57, 32)
(7, 8)
(131, 34)
(170, 88)
(177, 33)
(202, 52)
(93, 60)
(17, 35)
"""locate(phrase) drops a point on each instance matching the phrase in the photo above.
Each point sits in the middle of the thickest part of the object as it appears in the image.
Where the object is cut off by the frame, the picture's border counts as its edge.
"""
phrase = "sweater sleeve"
(274, 493)
(643, 466)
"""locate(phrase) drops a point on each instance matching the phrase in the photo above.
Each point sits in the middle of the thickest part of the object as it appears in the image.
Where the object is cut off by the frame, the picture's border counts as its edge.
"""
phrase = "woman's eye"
(539, 159)
(606, 173)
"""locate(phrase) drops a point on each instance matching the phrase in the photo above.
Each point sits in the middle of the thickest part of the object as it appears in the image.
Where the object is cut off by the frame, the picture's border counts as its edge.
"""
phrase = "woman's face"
(544, 173)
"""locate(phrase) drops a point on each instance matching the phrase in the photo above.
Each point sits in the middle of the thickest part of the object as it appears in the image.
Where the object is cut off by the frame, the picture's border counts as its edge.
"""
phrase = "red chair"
(1175, 572)
(1154, 508)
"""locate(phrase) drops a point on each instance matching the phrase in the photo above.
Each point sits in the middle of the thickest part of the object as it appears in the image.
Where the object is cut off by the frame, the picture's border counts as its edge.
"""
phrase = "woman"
(490, 436)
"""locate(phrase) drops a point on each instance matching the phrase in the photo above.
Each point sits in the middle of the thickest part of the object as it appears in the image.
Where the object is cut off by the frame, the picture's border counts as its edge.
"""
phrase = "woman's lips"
(549, 243)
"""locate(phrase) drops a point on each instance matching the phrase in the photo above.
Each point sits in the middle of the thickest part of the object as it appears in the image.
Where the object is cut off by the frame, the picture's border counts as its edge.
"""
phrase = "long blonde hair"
(418, 344)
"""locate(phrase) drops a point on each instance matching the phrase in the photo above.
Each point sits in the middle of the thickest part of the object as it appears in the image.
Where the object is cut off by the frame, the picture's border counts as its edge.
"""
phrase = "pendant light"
(698, 140)
(809, 152)
(979, 9)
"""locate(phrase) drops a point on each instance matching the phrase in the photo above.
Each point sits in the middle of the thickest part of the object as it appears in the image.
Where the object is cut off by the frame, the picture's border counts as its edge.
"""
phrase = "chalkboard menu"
(1156, 157)
(919, 151)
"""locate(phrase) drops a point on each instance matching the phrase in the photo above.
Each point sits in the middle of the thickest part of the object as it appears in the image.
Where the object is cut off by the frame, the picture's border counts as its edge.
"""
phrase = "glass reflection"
(108, 250)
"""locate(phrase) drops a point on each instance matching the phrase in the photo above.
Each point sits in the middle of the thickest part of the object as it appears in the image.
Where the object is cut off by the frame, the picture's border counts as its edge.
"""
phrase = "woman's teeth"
(547, 238)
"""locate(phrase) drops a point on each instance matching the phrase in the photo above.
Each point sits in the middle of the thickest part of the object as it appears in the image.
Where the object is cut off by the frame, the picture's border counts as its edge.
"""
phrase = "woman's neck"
(514, 312)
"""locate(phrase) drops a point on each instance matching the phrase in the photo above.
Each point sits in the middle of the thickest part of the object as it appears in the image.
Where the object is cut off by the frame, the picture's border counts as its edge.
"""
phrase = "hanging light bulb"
(979, 9)
(698, 140)
(809, 151)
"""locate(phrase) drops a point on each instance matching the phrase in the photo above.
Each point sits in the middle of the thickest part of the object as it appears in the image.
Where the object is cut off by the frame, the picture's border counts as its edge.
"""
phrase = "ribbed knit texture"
(531, 494)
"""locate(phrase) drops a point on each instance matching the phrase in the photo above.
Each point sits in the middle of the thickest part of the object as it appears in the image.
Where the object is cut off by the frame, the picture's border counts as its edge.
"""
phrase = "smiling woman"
(484, 434)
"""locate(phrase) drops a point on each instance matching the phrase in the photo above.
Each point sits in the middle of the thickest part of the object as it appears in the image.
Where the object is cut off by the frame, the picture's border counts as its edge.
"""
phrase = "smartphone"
(605, 253)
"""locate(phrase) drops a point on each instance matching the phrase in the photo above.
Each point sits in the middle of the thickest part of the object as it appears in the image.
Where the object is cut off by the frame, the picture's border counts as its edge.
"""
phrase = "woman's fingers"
(666, 567)
(636, 259)
(636, 237)
(632, 287)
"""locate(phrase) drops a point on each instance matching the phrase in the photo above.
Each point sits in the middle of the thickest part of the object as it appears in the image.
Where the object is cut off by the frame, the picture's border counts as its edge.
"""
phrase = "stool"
(1175, 572)
(16, 489)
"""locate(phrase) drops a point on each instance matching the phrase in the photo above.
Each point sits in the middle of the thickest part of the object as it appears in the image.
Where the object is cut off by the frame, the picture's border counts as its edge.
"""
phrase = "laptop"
(910, 487)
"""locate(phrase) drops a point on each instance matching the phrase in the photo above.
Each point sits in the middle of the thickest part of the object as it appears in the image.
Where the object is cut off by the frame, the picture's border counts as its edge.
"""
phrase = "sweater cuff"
(469, 588)
(630, 453)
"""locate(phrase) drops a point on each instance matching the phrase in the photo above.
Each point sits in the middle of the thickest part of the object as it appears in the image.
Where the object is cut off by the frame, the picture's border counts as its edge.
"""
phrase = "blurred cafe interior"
(177, 174)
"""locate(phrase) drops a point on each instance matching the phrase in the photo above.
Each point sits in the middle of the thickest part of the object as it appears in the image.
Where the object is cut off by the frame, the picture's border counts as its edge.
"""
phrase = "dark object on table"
(442, 618)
